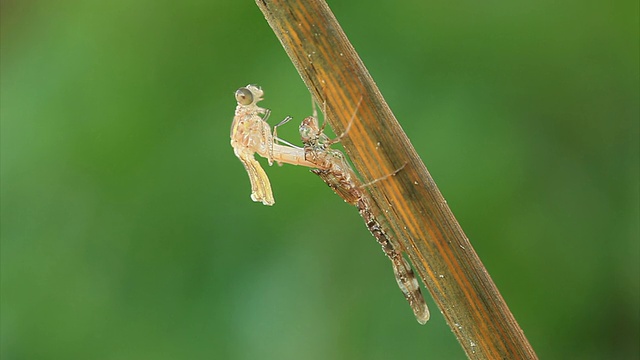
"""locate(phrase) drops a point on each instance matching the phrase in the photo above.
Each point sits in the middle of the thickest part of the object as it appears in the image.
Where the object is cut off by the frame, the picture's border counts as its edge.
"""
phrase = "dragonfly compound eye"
(244, 96)
(305, 133)
(307, 129)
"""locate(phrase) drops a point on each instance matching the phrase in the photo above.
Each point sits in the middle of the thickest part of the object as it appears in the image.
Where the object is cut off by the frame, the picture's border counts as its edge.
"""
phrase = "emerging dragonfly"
(335, 171)
(251, 134)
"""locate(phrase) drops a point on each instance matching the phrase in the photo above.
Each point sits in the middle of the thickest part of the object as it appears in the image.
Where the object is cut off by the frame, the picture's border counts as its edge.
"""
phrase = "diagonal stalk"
(410, 203)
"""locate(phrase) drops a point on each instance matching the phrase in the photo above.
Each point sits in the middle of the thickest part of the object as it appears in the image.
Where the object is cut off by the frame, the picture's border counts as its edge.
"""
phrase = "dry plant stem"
(409, 203)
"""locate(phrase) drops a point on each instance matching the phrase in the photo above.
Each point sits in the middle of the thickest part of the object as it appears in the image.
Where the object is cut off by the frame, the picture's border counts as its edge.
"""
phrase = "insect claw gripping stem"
(385, 177)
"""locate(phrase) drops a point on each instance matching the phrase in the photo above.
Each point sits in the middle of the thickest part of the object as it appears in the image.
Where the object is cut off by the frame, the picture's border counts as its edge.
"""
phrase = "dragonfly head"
(249, 95)
(309, 130)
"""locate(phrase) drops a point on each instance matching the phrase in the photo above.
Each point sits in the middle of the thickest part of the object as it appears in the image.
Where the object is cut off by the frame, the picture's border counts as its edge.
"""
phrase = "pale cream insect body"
(251, 134)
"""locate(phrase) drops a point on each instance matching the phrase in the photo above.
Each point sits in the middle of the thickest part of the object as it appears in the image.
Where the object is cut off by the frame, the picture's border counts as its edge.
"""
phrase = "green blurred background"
(128, 231)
